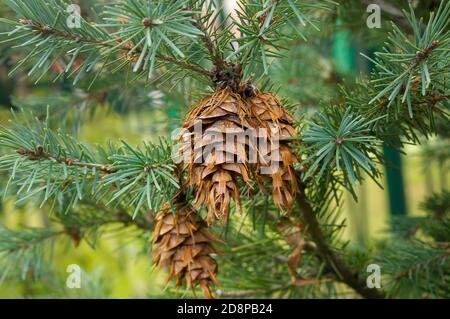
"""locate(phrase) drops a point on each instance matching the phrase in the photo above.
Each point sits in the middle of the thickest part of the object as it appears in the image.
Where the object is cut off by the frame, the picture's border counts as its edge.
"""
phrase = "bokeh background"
(120, 266)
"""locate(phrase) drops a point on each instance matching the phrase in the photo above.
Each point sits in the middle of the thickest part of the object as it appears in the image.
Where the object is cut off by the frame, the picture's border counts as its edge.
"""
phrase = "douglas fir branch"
(243, 201)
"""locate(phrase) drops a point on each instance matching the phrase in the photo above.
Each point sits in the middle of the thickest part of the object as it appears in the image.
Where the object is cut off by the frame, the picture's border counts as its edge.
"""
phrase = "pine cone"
(228, 146)
(278, 159)
(215, 165)
(183, 246)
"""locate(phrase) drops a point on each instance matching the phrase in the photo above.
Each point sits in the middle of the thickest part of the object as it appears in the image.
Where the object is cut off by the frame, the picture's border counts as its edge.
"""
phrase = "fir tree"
(225, 228)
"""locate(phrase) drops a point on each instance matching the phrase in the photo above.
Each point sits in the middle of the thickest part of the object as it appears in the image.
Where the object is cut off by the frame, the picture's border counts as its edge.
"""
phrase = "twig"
(216, 57)
(24, 246)
(417, 267)
(46, 30)
(41, 154)
(143, 222)
(185, 65)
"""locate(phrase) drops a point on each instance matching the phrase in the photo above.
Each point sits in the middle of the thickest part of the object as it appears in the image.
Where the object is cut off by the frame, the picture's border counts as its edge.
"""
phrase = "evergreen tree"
(244, 220)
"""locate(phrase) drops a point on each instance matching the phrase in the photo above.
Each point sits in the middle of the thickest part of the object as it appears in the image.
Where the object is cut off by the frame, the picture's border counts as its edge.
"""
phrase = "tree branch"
(216, 57)
(41, 154)
(417, 267)
(333, 261)
(25, 246)
(46, 30)
(185, 65)
(143, 222)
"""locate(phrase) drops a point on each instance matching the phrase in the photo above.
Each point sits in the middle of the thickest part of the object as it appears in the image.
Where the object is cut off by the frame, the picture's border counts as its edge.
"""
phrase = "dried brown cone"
(277, 160)
(184, 247)
(214, 165)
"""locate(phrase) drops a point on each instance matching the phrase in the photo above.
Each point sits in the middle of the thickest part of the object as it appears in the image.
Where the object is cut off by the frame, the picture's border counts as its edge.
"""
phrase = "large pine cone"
(183, 246)
(215, 165)
(220, 152)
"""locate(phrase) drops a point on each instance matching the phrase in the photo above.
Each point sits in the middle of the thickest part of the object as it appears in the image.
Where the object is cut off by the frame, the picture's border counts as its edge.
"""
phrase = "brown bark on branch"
(46, 30)
(343, 272)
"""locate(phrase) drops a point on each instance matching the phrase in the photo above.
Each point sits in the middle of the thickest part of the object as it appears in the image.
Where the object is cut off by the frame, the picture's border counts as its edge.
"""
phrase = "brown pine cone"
(184, 247)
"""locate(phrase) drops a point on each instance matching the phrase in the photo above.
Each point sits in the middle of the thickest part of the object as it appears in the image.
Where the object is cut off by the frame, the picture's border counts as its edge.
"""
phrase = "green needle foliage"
(143, 176)
(52, 40)
(148, 26)
(53, 167)
(416, 259)
(342, 142)
(125, 51)
(264, 24)
(425, 52)
(25, 253)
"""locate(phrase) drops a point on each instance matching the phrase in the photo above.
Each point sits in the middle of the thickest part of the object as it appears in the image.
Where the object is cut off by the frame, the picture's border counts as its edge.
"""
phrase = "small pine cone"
(277, 160)
(214, 164)
(184, 247)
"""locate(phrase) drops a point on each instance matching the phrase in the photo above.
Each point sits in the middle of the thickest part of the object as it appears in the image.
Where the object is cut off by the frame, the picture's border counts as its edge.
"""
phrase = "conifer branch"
(144, 222)
(214, 52)
(26, 253)
(88, 188)
(48, 165)
(335, 263)
(113, 43)
(41, 154)
(402, 62)
(422, 263)
(185, 65)
(13, 247)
